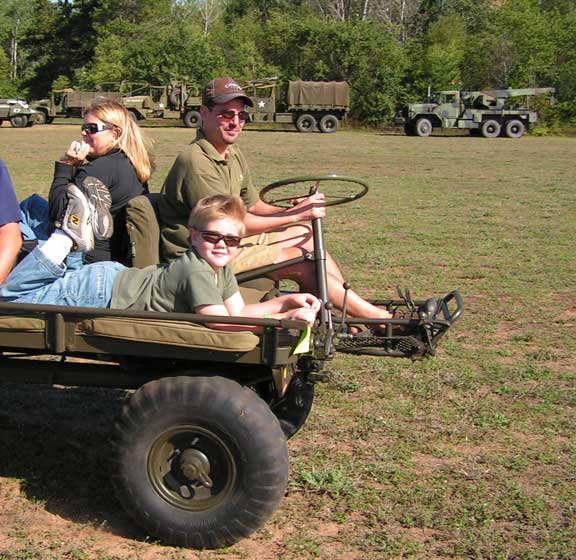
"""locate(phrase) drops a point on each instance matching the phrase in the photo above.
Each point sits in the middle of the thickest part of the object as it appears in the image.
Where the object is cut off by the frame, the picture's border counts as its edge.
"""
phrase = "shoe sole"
(100, 201)
(81, 234)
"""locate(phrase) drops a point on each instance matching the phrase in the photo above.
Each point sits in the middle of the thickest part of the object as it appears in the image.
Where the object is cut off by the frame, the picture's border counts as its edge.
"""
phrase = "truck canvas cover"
(318, 94)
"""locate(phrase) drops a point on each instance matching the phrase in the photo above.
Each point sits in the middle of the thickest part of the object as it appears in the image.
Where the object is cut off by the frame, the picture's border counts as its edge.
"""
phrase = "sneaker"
(77, 220)
(100, 201)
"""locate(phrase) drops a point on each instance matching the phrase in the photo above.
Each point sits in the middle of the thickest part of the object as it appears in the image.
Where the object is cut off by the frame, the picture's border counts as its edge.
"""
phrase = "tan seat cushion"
(21, 324)
(175, 333)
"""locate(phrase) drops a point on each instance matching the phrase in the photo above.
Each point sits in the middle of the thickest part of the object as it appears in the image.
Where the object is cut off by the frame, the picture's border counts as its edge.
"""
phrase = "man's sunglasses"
(93, 128)
(229, 114)
(214, 237)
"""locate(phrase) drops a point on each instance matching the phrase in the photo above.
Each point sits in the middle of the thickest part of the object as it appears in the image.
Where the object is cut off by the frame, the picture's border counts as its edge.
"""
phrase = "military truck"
(143, 100)
(68, 102)
(18, 112)
(308, 105)
(489, 113)
(172, 101)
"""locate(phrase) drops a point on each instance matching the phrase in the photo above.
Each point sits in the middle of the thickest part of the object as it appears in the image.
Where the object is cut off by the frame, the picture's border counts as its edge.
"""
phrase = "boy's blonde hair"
(217, 207)
(131, 141)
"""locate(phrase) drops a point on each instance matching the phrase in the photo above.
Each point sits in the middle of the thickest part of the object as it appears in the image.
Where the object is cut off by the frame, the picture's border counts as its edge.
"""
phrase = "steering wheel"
(341, 190)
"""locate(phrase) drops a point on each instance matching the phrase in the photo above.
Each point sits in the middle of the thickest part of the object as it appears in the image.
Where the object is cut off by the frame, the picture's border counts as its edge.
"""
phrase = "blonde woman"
(113, 151)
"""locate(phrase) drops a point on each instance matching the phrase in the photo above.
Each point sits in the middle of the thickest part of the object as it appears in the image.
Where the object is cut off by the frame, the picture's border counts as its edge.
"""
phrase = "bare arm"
(292, 306)
(10, 244)
(264, 217)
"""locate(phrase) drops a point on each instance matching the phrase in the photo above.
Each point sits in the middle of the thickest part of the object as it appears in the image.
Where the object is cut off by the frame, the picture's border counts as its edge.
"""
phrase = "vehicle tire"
(409, 129)
(19, 121)
(49, 120)
(491, 128)
(199, 462)
(305, 123)
(293, 409)
(192, 119)
(42, 117)
(329, 123)
(134, 115)
(423, 127)
(514, 129)
(475, 132)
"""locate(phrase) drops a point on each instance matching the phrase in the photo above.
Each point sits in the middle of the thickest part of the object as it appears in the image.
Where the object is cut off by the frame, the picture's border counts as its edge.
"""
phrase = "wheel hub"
(195, 466)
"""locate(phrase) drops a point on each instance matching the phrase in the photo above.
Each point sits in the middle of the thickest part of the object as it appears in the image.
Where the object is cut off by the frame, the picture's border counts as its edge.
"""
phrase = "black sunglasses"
(229, 114)
(93, 128)
(214, 237)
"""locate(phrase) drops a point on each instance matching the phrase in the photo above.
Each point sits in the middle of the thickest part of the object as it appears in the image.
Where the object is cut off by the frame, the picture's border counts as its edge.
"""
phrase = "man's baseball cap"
(222, 90)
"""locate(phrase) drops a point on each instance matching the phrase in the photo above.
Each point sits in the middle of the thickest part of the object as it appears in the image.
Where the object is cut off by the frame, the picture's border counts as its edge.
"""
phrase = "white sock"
(57, 247)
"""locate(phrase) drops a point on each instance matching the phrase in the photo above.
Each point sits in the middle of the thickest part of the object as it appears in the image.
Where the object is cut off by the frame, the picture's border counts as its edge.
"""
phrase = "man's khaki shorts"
(256, 251)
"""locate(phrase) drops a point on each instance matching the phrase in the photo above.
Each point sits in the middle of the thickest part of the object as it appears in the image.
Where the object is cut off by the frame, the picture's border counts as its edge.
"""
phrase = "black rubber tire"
(423, 127)
(514, 129)
(409, 129)
(293, 408)
(192, 119)
(49, 120)
(210, 424)
(306, 123)
(475, 132)
(42, 117)
(19, 121)
(328, 124)
(491, 128)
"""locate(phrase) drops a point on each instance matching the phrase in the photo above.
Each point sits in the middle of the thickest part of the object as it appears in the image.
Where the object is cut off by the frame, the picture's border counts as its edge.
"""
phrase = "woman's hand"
(76, 154)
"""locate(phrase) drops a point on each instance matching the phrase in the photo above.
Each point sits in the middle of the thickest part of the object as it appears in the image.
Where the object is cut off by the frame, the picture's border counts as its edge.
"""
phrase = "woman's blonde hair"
(217, 207)
(131, 141)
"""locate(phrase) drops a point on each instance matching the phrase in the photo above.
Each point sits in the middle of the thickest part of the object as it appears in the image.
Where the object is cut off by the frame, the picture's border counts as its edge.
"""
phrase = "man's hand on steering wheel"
(310, 207)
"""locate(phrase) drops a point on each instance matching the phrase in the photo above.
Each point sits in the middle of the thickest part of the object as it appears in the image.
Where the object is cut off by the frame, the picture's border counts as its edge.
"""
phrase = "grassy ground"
(468, 455)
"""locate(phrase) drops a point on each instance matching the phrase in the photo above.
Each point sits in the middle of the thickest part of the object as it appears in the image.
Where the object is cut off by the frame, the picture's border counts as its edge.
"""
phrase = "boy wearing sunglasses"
(200, 281)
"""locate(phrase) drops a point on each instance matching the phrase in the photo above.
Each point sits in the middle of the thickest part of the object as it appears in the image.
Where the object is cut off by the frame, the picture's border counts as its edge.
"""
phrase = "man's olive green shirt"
(199, 171)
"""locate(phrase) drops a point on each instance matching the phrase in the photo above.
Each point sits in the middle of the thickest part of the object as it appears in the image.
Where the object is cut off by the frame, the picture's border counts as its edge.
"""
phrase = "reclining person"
(200, 281)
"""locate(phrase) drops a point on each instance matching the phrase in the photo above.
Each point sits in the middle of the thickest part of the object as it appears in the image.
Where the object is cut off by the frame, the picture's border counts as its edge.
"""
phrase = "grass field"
(471, 454)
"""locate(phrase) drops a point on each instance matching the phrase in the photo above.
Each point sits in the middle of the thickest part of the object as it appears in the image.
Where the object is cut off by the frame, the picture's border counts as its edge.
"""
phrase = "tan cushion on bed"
(21, 324)
(175, 333)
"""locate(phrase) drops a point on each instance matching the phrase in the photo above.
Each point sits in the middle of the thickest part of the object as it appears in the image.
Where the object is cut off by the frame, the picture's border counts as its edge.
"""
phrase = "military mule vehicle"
(200, 454)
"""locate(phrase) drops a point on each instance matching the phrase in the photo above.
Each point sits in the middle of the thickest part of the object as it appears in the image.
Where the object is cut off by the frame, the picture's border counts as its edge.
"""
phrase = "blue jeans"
(35, 222)
(36, 279)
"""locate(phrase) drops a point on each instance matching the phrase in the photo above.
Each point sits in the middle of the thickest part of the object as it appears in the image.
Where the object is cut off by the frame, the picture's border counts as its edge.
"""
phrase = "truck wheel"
(491, 128)
(19, 121)
(42, 117)
(305, 123)
(133, 115)
(192, 119)
(409, 129)
(423, 127)
(475, 132)
(199, 462)
(329, 123)
(293, 408)
(514, 129)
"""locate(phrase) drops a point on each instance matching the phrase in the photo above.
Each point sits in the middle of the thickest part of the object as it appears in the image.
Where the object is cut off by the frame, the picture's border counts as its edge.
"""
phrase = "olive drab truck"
(488, 113)
(144, 101)
(18, 113)
(308, 105)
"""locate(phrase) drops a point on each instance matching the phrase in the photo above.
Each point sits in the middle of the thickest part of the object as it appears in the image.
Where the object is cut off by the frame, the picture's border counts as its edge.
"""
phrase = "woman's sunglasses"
(93, 128)
(214, 237)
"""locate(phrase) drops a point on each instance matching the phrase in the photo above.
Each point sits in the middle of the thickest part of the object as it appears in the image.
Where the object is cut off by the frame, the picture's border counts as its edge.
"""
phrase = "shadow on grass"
(56, 440)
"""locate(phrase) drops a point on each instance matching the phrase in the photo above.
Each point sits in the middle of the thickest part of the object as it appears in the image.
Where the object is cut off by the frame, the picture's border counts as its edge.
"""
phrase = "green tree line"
(390, 51)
